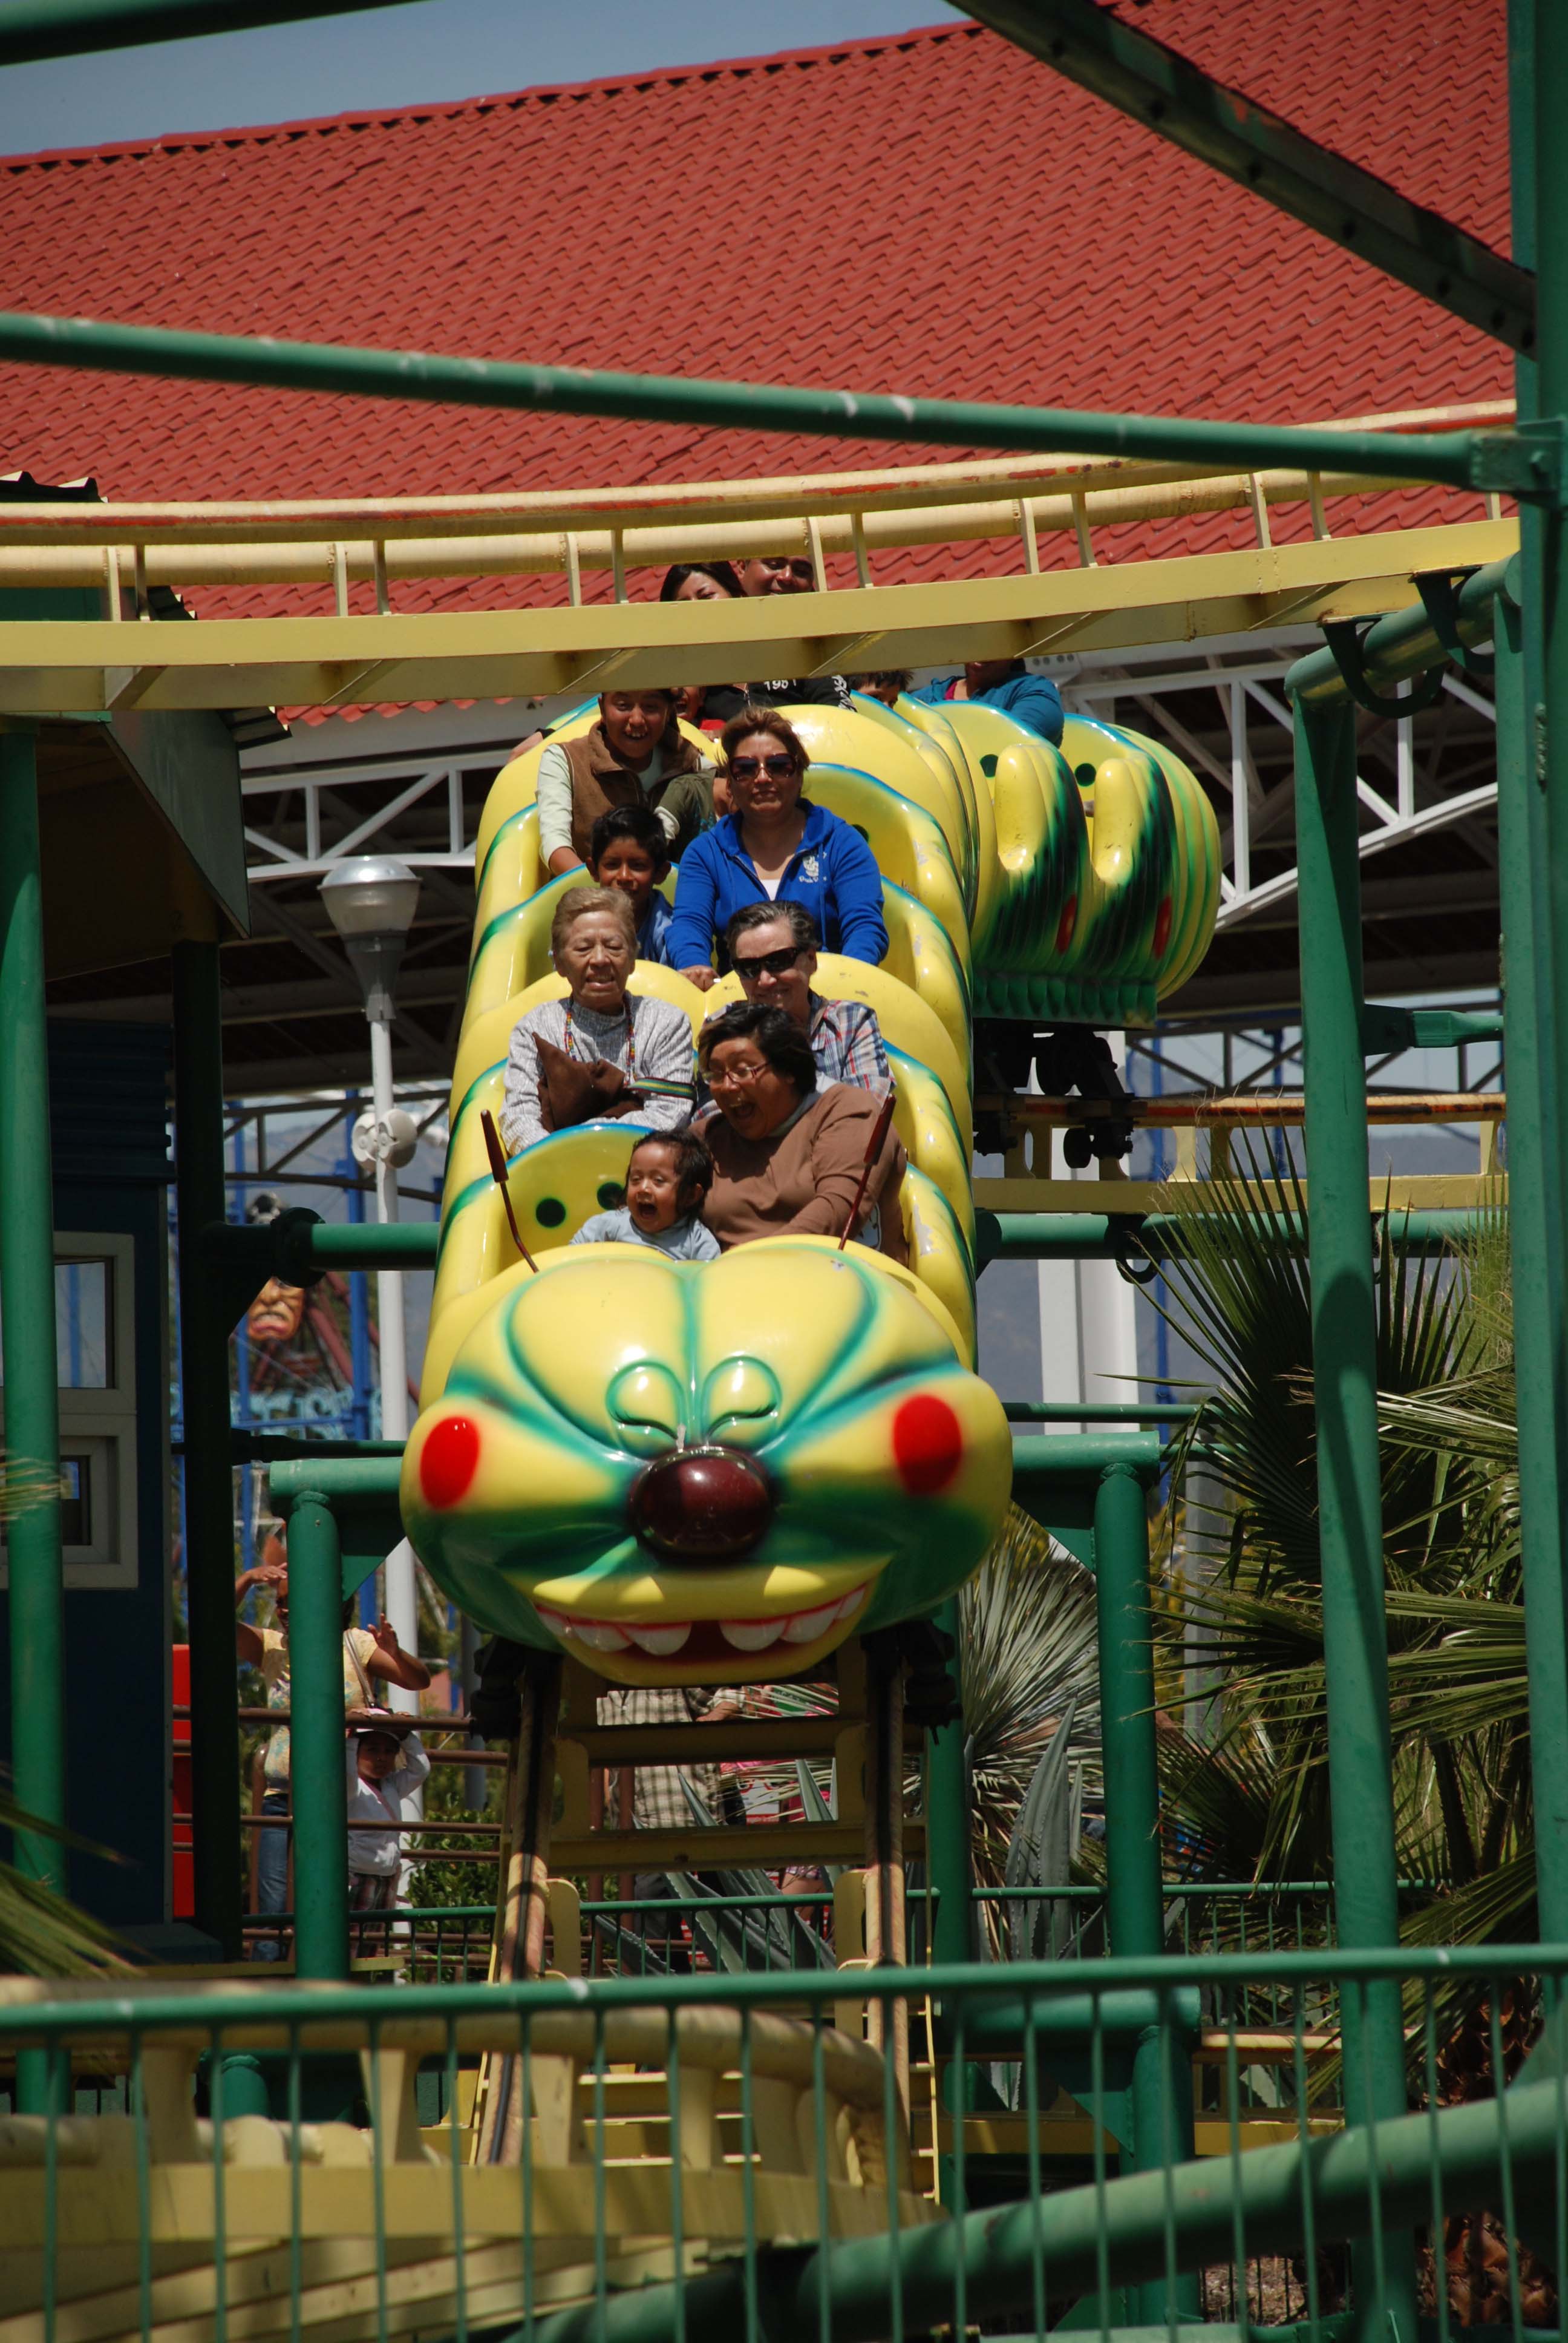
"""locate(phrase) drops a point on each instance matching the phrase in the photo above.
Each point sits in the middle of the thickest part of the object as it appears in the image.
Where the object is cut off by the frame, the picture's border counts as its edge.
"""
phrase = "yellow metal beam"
(85, 665)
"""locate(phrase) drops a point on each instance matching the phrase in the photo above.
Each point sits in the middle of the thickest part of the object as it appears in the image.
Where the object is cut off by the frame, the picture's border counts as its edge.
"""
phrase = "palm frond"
(1028, 1663)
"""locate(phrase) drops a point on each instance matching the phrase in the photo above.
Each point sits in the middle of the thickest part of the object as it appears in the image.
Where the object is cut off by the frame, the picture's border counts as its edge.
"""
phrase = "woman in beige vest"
(635, 755)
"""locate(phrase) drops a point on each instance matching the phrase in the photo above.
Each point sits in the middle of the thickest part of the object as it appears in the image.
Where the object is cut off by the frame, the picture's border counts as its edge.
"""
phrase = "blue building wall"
(107, 1089)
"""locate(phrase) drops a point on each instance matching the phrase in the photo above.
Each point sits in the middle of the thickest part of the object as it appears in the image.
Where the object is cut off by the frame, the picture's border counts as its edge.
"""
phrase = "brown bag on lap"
(571, 1092)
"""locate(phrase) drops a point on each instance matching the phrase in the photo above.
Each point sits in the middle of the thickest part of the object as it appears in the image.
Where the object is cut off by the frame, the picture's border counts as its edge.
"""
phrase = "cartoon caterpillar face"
(669, 1468)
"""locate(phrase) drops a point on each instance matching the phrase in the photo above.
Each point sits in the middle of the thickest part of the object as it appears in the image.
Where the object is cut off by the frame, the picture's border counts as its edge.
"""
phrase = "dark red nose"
(702, 1505)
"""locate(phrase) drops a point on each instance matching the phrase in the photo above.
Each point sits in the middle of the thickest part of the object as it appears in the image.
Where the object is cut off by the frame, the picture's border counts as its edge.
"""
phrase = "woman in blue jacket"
(776, 846)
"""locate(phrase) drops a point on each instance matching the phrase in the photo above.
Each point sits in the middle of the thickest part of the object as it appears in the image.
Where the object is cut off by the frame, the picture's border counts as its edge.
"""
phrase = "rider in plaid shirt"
(772, 948)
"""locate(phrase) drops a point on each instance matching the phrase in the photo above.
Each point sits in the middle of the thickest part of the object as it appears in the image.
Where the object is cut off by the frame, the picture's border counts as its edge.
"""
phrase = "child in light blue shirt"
(667, 1184)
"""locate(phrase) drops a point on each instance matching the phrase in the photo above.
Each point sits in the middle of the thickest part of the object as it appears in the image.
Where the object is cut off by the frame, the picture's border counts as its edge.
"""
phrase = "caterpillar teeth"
(599, 1635)
(807, 1625)
(751, 1634)
(659, 1641)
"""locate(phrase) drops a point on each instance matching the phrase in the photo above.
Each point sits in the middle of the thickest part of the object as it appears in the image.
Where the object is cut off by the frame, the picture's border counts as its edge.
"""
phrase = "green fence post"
(948, 1823)
(317, 1792)
(1535, 1245)
(209, 1472)
(31, 1482)
(1349, 1486)
(1532, 874)
(1159, 2101)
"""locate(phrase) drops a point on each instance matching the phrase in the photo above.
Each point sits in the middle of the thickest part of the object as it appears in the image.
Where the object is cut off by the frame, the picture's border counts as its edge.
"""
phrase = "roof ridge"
(364, 117)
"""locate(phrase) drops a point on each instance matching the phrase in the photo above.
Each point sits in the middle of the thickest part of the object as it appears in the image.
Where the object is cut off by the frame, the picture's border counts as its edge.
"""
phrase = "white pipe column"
(402, 1583)
(1088, 1329)
(372, 899)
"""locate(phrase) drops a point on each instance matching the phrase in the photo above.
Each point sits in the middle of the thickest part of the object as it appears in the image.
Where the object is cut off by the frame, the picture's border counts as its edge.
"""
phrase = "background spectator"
(370, 1656)
(782, 573)
(1006, 684)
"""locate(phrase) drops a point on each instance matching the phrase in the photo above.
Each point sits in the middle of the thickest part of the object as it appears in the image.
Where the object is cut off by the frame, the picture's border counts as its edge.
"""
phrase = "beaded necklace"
(631, 1039)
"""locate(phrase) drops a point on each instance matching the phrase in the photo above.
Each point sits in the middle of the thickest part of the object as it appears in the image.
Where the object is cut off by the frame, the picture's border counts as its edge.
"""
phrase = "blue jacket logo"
(808, 866)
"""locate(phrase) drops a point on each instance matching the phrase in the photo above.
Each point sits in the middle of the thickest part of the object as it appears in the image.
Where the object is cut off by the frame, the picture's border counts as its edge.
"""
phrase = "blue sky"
(432, 49)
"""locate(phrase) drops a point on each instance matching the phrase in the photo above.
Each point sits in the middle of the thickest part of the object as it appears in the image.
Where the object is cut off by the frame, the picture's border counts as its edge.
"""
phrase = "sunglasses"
(773, 963)
(797, 568)
(745, 768)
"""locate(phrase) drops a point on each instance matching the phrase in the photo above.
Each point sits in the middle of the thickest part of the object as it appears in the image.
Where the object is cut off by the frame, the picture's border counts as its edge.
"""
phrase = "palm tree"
(1241, 1297)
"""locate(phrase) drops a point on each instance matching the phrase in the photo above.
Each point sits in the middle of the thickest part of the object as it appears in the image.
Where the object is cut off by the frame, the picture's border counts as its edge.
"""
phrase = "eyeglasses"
(797, 568)
(773, 963)
(736, 1077)
(745, 768)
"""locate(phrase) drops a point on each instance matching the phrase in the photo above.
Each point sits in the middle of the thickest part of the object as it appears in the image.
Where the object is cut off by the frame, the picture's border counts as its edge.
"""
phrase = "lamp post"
(371, 898)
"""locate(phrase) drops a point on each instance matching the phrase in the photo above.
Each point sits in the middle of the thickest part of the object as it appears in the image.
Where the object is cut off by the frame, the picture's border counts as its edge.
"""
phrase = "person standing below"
(1006, 684)
(636, 754)
(776, 846)
(370, 1656)
(772, 948)
(386, 1763)
(782, 573)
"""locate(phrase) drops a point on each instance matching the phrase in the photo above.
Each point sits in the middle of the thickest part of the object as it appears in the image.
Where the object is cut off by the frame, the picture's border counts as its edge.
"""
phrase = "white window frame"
(102, 1424)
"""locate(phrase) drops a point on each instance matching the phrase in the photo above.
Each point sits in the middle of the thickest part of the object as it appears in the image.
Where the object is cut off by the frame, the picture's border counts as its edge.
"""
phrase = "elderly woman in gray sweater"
(603, 1051)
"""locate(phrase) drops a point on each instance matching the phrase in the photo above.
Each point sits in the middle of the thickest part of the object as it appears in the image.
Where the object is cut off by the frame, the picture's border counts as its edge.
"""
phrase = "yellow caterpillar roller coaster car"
(698, 1474)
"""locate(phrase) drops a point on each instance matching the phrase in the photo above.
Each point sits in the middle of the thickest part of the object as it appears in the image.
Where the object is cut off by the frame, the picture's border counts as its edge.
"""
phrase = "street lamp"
(371, 899)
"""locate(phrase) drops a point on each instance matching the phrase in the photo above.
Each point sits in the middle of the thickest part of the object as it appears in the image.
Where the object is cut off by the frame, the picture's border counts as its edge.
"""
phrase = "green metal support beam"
(1159, 2093)
(1349, 1486)
(1467, 460)
(1156, 1236)
(1532, 870)
(318, 1785)
(1538, 1233)
(1141, 77)
(32, 29)
(208, 1475)
(30, 1481)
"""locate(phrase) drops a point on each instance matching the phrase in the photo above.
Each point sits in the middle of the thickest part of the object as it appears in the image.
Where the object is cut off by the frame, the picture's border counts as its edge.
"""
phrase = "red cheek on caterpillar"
(449, 1459)
(928, 1444)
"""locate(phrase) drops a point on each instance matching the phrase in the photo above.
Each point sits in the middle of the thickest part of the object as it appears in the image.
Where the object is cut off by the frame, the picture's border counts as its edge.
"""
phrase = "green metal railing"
(1483, 460)
(1043, 2206)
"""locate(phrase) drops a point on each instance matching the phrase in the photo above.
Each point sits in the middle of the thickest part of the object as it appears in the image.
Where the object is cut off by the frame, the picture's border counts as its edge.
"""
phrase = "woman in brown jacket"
(790, 1153)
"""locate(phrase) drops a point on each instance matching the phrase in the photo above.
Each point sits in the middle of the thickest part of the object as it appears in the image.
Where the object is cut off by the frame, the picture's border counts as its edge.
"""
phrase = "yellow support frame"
(85, 666)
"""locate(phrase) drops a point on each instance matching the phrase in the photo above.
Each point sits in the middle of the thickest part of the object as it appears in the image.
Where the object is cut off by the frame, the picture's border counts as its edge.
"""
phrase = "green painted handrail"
(1406, 643)
(1459, 458)
(31, 29)
(1155, 1236)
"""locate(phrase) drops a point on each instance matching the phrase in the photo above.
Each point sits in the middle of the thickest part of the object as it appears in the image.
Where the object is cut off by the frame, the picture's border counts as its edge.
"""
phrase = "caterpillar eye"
(702, 1505)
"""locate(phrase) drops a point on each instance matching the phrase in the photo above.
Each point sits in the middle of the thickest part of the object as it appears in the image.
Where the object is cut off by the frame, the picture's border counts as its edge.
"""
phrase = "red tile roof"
(933, 212)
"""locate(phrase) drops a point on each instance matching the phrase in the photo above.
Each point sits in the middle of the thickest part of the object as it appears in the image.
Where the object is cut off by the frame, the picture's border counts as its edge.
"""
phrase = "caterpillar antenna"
(874, 1148)
(498, 1156)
